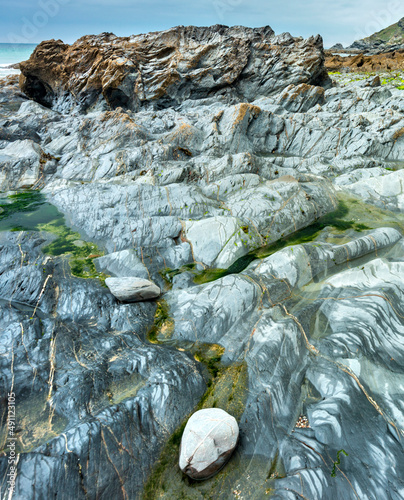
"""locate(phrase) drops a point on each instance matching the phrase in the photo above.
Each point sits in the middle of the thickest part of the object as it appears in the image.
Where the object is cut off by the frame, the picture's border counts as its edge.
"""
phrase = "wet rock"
(132, 289)
(207, 443)
(122, 264)
(386, 190)
(114, 398)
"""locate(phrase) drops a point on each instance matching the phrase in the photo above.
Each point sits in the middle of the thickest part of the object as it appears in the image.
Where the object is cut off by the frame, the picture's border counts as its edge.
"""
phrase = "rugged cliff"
(386, 40)
(165, 68)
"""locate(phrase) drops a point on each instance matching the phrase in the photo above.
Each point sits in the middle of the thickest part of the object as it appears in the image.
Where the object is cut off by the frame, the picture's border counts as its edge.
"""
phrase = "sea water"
(12, 53)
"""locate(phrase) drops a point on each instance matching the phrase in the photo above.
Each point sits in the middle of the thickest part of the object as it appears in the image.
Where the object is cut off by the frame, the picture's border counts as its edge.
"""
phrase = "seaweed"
(162, 321)
(338, 220)
(337, 462)
(29, 211)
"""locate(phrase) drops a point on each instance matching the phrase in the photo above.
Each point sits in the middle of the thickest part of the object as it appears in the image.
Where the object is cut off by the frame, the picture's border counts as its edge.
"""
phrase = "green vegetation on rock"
(339, 220)
(29, 211)
(228, 391)
(393, 34)
(163, 325)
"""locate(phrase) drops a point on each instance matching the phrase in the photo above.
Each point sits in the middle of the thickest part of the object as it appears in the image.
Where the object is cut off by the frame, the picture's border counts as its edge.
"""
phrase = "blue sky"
(36, 20)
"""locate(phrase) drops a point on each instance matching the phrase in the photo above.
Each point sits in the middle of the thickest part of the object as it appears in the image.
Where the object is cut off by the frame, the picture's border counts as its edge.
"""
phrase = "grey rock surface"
(113, 398)
(132, 289)
(385, 190)
(207, 443)
(295, 368)
(266, 205)
(121, 264)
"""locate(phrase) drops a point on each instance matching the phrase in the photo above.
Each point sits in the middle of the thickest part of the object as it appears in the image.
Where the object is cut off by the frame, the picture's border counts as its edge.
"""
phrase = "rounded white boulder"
(207, 443)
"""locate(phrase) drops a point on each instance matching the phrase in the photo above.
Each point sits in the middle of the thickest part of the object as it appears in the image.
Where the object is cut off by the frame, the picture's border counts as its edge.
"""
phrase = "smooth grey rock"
(111, 390)
(121, 264)
(207, 443)
(132, 289)
(386, 190)
(219, 241)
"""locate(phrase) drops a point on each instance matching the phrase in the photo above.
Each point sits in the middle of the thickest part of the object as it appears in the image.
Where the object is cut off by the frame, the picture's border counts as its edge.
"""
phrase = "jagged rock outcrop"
(165, 68)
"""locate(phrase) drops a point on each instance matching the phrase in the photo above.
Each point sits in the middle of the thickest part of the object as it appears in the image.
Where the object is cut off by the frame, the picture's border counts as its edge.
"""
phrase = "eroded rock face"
(114, 398)
(207, 443)
(165, 68)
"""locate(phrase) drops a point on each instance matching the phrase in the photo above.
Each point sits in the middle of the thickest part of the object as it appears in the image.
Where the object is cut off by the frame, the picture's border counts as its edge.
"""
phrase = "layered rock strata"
(197, 150)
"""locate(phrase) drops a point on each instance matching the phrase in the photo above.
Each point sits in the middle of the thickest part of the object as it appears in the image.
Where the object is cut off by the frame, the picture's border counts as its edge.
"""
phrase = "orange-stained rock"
(389, 61)
(165, 68)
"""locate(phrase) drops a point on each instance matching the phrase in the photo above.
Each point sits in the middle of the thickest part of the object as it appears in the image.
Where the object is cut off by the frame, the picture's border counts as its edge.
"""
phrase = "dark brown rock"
(389, 61)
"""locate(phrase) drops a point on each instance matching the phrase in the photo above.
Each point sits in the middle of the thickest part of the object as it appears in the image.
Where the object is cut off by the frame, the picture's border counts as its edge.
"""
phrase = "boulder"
(132, 289)
(219, 241)
(208, 442)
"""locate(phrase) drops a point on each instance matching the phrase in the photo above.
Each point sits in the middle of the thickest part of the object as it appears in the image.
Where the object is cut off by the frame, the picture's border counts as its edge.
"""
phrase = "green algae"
(337, 462)
(340, 220)
(82, 253)
(168, 274)
(29, 211)
(392, 78)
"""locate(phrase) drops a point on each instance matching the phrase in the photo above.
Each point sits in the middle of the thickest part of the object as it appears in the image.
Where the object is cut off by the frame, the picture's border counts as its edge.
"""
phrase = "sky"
(31, 21)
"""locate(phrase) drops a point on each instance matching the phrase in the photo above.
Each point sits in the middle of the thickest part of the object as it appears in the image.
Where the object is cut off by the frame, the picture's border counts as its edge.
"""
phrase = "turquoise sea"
(12, 53)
